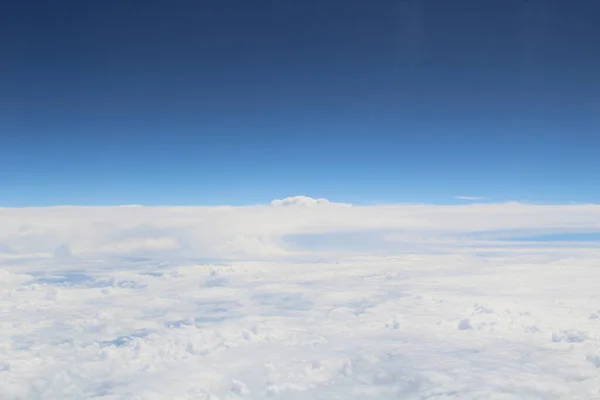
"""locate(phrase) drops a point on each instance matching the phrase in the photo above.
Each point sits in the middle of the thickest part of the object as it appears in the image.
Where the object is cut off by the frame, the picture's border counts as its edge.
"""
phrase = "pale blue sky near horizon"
(232, 102)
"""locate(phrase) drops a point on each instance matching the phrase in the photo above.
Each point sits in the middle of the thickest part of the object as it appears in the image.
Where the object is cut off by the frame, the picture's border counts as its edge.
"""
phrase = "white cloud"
(315, 300)
(143, 244)
(407, 326)
(299, 201)
(260, 229)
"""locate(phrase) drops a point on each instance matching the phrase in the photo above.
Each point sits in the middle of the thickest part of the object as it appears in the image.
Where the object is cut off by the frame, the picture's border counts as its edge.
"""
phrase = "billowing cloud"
(301, 298)
(299, 201)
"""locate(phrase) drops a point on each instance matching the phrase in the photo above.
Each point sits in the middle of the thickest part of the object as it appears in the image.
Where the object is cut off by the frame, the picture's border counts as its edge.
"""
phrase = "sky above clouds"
(115, 102)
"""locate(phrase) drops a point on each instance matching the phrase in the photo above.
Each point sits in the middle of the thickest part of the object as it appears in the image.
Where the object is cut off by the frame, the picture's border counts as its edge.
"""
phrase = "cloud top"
(302, 201)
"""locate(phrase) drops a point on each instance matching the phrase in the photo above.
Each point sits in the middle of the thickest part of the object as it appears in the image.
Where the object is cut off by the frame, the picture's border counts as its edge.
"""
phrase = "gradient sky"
(239, 102)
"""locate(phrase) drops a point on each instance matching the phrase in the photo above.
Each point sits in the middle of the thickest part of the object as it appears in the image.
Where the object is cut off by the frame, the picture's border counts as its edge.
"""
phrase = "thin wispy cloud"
(469, 198)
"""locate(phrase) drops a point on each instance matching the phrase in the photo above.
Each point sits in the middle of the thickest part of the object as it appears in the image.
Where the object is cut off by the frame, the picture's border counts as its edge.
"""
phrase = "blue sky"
(236, 102)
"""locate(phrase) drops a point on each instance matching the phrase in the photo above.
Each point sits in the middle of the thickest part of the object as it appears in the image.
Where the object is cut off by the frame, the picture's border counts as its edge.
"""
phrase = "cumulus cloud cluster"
(299, 201)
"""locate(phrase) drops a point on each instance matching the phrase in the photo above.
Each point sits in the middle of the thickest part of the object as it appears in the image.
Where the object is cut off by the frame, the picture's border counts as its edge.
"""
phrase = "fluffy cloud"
(262, 229)
(299, 201)
(315, 300)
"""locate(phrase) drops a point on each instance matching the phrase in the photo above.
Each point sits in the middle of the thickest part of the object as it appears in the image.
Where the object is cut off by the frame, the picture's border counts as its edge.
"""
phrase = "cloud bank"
(298, 299)
(264, 230)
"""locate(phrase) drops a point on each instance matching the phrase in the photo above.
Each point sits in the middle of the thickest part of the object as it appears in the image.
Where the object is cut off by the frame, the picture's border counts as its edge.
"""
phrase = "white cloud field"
(299, 299)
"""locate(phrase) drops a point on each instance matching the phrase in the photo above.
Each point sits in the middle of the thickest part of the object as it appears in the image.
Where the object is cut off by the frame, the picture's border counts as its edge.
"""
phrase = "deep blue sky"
(237, 102)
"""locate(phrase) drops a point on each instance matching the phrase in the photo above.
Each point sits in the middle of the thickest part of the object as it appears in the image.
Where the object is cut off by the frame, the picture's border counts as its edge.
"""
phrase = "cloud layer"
(264, 230)
(298, 299)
